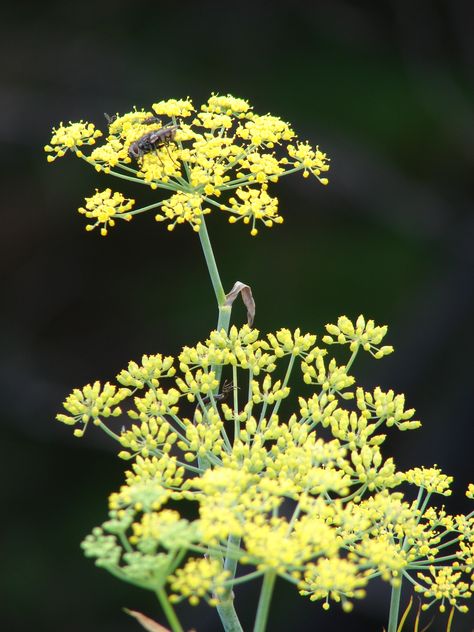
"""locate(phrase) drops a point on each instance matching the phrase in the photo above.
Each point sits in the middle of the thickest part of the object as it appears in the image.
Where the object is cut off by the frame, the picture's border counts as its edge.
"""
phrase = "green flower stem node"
(264, 601)
(224, 318)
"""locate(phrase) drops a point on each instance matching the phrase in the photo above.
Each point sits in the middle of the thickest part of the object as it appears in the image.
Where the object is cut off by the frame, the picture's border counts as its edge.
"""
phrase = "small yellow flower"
(92, 402)
(107, 156)
(163, 470)
(152, 369)
(273, 544)
(214, 121)
(339, 579)
(71, 137)
(311, 160)
(362, 333)
(105, 207)
(144, 495)
(166, 528)
(382, 553)
(199, 579)
(252, 205)
(183, 207)
(444, 585)
(179, 108)
(265, 130)
(431, 479)
(152, 436)
(227, 105)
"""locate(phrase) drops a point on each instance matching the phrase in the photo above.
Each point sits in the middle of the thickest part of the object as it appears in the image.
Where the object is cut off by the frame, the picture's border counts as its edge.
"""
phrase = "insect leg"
(169, 154)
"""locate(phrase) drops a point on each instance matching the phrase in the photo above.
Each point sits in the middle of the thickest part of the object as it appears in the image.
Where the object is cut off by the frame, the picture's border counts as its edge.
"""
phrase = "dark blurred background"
(386, 89)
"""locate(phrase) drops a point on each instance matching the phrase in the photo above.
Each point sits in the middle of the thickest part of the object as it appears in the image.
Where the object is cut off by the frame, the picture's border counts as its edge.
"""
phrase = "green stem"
(212, 266)
(236, 404)
(264, 601)
(425, 503)
(449, 543)
(230, 564)
(295, 516)
(124, 542)
(285, 382)
(169, 611)
(244, 578)
(223, 321)
(228, 616)
(124, 177)
(427, 564)
(108, 431)
(225, 608)
(358, 492)
(394, 607)
(143, 209)
(352, 358)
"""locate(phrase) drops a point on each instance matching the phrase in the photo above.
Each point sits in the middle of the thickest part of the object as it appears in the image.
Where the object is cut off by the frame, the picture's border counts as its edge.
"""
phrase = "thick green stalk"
(225, 608)
(231, 562)
(394, 607)
(168, 610)
(223, 321)
(264, 601)
(228, 616)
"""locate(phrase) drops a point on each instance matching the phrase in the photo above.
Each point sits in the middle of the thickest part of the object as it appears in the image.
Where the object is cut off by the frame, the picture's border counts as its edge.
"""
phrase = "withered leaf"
(146, 622)
(246, 294)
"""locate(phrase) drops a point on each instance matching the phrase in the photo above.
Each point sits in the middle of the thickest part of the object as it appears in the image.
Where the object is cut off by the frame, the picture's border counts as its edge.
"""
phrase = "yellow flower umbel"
(307, 495)
(196, 158)
(92, 402)
(71, 137)
(444, 585)
(104, 207)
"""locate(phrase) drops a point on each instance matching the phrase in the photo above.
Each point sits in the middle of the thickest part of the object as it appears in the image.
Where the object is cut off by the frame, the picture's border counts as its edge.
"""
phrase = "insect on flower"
(227, 388)
(152, 140)
(110, 119)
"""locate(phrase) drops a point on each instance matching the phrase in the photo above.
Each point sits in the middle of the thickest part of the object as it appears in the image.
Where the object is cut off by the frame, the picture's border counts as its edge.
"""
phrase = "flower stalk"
(225, 607)
(211, 265)
(169, 611)
(394, 607)
(264, 601)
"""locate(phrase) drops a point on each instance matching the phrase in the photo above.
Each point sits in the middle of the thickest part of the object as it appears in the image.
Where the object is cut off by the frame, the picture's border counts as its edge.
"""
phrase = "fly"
(151, 141)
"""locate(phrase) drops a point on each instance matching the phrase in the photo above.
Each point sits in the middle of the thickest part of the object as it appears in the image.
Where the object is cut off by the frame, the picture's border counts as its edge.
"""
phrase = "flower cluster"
(306, 495)
(71, 137)
(195, 156)
(360, 333)
(104, 207)
(92, 402)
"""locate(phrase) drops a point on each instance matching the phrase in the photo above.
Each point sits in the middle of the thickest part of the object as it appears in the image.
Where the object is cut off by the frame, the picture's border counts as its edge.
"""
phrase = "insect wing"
(156, 137)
